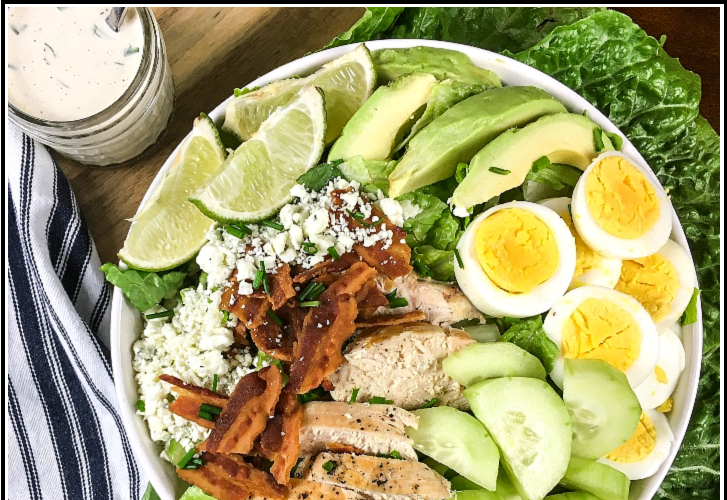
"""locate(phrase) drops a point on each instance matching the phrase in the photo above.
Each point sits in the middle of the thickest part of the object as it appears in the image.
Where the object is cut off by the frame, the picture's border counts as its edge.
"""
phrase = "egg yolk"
(639, 446)
(601, 329)
(620, 198)
(653, 281)
(516, 250)
(666, 406)
(586, 259)
(660, 375)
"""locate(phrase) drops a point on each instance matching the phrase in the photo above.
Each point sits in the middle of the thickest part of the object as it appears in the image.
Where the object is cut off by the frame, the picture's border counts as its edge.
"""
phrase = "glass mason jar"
(127, 127)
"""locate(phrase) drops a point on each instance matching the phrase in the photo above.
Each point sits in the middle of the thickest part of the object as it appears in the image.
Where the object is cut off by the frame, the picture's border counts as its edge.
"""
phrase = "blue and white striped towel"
(66, 438)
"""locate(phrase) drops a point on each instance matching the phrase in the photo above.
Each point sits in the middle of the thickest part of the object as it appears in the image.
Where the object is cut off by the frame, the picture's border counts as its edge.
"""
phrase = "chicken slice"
(380, 478)
(369, 429)
(303, 489)
(402, 363)
(443, 304)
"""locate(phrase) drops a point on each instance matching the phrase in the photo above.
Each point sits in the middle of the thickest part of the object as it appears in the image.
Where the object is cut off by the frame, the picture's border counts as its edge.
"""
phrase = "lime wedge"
(346, 83)
(254, 182)
(169, 230)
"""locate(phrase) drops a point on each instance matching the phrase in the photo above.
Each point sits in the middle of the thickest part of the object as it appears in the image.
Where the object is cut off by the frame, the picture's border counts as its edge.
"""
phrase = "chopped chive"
(309, 247)
(372, 224)
(431, 403)
(216, 410)
(354, 395)
(197, 461)
(274, 225)
(309, 288)
(500, 171)
(329, 466)
(266, 283)
(690, 313)
(570, 212)
(206, 415)
(423, 271)
(310, 303)
(163, 314)
(215, 379)
(171, 398)
(225, 317)
(541, 163)
(140, 405)
(131, 50)
(257, 281)
(317, 290)
(186, 458)
(378, 400)
(459, 259)
(585, 112)
(616, 140)
(274, 317)
(598, 137)
(395, 301)
(395, 454)
(333, 252)
(234, 231)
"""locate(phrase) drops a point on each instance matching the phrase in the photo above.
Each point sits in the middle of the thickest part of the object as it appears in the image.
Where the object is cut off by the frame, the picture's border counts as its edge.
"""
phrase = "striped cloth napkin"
(66, 437)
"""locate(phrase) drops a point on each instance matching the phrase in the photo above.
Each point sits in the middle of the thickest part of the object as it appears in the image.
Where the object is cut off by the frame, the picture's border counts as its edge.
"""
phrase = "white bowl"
(126, 324)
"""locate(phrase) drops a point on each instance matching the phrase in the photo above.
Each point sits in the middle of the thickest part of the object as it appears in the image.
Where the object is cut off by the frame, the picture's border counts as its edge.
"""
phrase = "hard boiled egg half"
(642, 455)
(619, 209)
(592, 322)
(660, 383)
(662, 282)
(592, 268)
(517, 259)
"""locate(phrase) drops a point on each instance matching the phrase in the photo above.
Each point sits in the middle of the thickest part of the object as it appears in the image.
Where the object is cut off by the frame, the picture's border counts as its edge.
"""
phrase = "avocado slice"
(444, 64)
(465, 128)
(564, 138)
(384, 119)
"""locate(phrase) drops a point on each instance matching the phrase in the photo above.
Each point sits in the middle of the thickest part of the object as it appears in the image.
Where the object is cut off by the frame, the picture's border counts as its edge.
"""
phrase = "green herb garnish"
(130, 50)
(171, 398)
(616, 140)
(274, 225)
(690, 313)
(329, 466)
(309, 247)
(310, 303)
(541, 162)
(459, 259)
(274, 317)
(333, 252)
(215, 379)
(225, 317)
(395, 301)
(205, 415)
(378, 400)
(163, 314)
(395, 454)
(431, 403)
(140, 405)
(311, 291)
(186, 458)
(215, 410)
(354, 395)
(500, 171)
(598, 137)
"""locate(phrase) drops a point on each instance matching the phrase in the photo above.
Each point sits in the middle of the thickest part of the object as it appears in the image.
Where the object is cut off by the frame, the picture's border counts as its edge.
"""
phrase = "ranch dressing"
(66, 64)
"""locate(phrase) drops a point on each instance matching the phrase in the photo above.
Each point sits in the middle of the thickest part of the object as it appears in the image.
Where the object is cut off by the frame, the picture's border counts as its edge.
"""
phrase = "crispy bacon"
(247, 412)
(281, 286)
(369, 299)
(391, 319)
(328, 266)
(240, 334)
(318, 350)
(280, 441)
(244, 475)
(213, 484)
(190, 398)
(350, 283)
(392, 262)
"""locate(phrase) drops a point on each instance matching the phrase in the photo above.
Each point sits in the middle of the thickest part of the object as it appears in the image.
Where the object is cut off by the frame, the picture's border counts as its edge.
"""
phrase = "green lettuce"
(432, 262)
(374, 21)
(528, 334)
(145, 289)
(371, 174)
(418, 226)
(319, 176)
(194, 493)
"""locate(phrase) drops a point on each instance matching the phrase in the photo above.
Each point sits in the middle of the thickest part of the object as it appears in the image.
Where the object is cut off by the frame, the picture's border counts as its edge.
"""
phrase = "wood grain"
(212, 50)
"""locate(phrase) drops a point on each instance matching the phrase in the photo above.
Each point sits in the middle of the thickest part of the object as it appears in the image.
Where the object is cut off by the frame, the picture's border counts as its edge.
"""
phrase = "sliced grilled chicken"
(379, 478)
(443, 304)
(365, 428)
(402, 363)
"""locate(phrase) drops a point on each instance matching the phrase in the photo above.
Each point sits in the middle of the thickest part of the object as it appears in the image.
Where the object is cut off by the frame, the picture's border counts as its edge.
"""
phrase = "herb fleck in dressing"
(66, 64)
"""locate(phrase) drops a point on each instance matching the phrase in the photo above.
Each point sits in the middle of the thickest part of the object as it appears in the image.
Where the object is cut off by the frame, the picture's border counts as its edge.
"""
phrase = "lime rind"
(168, 230)
(255, 181)
(346, 82)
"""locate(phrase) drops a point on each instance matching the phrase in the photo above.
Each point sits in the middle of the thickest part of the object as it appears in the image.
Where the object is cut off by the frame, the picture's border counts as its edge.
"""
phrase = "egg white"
(652, 393)
(674, 253)
(489, 298)
(605, 272)
(650, 464)
(563, 308)
(612, 246)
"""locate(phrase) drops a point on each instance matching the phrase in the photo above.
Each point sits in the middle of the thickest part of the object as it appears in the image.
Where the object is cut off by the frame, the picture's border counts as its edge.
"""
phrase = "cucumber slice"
(602, 405)
(175, 451)
(461, 483)
(478, 362)
(505, 489)
(458, 441)
(596, 478)
(476, 495)
(483, 333)
(531, 427)
(440, 469)
(572, 495)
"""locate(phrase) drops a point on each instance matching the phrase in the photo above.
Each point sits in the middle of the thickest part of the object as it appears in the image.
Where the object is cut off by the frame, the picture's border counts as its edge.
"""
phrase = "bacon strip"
(328, 266)
(391, 319)
(281, 286)
(213, 484)
(244, 475)
(369, 299)
(190, 398)
(392, 262)
(247, 412)
(318, 350)
(280, 441)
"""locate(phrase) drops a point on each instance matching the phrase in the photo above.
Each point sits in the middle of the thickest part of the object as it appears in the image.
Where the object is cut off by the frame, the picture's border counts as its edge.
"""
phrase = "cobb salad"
(398, 278)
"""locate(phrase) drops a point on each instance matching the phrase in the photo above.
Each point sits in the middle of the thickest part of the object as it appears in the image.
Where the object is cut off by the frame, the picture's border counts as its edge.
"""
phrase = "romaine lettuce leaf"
(374, 21)
(319, 176)
(418, 226)
(528, 334)
(144, 289)
(432, 262)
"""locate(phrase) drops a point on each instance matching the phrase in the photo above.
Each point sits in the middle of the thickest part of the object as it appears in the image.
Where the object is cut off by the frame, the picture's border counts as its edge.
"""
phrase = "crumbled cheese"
(409, 210)
(311, 217)
(193, 346)
(460, 211)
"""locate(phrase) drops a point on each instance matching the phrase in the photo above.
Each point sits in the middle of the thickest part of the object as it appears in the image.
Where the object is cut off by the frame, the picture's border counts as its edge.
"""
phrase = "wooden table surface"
(213, 50)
